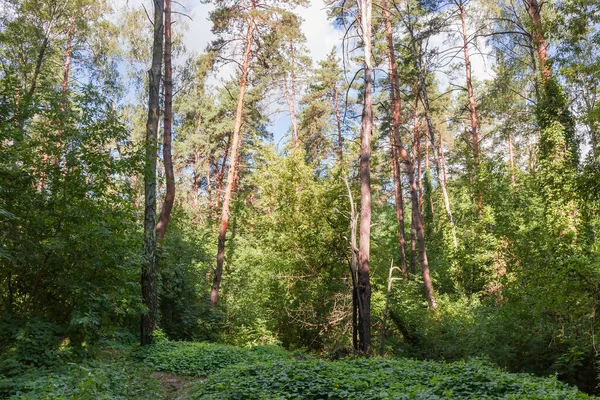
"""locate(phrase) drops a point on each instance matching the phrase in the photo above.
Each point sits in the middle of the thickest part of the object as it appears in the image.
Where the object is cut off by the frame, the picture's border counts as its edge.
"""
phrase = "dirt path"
(176, 387)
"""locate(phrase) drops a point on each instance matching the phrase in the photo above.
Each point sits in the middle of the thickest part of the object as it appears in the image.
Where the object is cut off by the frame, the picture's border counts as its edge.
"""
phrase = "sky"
(321, 37)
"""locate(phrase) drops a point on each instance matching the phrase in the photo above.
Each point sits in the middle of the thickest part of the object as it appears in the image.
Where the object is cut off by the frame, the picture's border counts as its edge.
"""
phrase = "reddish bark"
(232, 173)
(395, 134)
(419, 229)
(221, 173)
(539, 41)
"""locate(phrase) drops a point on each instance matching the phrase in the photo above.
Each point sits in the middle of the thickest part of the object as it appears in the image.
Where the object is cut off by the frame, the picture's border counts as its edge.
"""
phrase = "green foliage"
(376, 379)
(110, 379)
(202, 359)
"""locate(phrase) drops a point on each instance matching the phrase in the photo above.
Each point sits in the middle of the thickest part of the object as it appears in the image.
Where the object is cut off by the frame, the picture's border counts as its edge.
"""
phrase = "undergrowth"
(269, 372)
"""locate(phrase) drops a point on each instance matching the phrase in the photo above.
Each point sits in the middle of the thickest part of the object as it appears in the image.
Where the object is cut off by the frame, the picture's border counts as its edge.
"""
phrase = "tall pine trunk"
(149, 268)
(364, 284)
(395, 134)
(421, 75)
(419, 229)
(539, 41)
(338, 120)
(472, 108)
(221, 173)
(233, 164)
(167, 206)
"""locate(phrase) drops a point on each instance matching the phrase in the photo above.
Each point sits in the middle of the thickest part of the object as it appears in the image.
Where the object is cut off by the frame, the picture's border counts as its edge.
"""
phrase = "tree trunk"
(232, 173)
(195, 184)
(167, 206)
(395, 135)
(539, 41)
(293, 95)
(413, 245)
(425, 99)
(149, 268)
(511, 158)
(221, 173)
(67, 65)
(419, 228)
(364, 284)
(417, 156)
(353, 267)
(338, 120)
(289, 100)
(427, 171)
(64, 95)
(472, 108)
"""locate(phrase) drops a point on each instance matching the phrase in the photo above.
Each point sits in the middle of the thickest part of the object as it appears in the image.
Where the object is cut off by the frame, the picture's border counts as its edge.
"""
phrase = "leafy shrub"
(201, 359)
(113, 379)
(29, 343)
(376, 379)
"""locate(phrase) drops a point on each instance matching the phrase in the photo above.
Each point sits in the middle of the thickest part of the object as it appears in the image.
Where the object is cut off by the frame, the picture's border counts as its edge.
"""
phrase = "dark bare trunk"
(232, 173)
(149, 268)
(167, 206)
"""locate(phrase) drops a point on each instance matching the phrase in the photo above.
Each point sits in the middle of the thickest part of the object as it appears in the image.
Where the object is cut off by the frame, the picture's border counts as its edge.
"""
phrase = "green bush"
(376, 379)
(201, 359)
(93, 380)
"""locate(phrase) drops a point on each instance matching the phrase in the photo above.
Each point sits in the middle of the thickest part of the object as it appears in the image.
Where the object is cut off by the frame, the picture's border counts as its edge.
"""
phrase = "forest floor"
(184, 370)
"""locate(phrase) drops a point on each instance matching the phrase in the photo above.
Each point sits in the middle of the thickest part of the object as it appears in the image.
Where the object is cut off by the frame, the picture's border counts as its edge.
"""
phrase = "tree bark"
(221, 173)
(417, 223)
(149, 268)
(232, 172)
(338, 120)
(417, 156)
(395, 134)
(289, 101)
(167, 206)
(539, 41)
(417, 218)
(472, 108)
(425, 99)
(413, 246)
(294, 110)
(511, 157)
(64, 94)
(364, 284)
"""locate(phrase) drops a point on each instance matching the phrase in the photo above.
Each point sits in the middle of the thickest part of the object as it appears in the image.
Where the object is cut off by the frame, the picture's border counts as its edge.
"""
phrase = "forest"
(299, 199)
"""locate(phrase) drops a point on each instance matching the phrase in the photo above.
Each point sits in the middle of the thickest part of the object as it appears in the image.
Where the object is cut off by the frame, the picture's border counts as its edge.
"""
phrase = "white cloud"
(321, 37)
